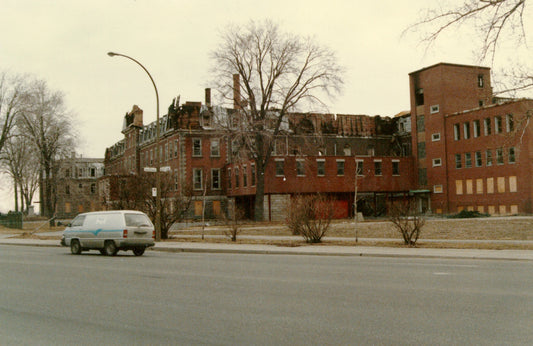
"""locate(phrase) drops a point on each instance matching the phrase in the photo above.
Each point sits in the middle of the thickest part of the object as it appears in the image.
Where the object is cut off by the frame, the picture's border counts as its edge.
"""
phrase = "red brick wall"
(331, 182)
(521, 139)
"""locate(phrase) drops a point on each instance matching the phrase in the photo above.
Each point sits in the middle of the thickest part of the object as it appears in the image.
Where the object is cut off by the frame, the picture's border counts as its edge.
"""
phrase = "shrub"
(407, 221)
(310, 216)
(467, 214)
(234, 223)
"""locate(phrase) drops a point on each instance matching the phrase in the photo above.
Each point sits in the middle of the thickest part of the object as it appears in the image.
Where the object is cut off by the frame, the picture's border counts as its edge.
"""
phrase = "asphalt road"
(48, 296)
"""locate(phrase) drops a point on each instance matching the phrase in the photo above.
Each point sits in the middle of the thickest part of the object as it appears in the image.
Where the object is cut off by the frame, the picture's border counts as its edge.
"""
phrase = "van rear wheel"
(138, 251)
(75, 247)
(110, 249)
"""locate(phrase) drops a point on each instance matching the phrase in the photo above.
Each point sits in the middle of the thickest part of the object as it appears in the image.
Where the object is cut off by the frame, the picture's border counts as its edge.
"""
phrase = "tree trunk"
(16, 195)
(48, 208)
(259, 195)
(41, 193)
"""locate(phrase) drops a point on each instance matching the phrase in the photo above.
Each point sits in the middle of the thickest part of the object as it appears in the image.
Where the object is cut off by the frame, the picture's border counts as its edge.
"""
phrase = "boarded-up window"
(460, 209)
(216, 208)
(490, 185)
(479, 186)
(67, 207)
(492, 210)
(481, 209)
(198, 208)
(503, 210)
(459, 187)
(512, 184)
(501, 184)
(469, 187)
(80, 208)
(470, 208)
(514, 209)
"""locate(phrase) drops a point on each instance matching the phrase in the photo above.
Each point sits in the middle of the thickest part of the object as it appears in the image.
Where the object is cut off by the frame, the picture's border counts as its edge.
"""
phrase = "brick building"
(189, 148)
(197, 153)
(472, 150)
(457, 148)
(77, 186)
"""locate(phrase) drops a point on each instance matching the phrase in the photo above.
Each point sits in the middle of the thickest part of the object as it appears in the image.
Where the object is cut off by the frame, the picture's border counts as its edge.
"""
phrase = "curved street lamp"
(157, 155)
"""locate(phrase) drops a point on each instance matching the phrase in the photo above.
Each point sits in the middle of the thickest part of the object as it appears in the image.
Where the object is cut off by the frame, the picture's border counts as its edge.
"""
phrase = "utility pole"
(355, 202)
(158, 157)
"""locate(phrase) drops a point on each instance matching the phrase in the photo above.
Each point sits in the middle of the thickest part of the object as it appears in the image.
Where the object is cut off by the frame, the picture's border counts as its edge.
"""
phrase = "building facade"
(458, 148)
(472, 150)
(318, 148)
(77, 186)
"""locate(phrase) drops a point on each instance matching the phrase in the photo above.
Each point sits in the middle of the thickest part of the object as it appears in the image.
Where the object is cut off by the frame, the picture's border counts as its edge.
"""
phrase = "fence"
(11, 220)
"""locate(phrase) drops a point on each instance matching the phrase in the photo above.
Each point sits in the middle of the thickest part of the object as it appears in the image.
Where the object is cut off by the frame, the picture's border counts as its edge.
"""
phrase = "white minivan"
(109, 232)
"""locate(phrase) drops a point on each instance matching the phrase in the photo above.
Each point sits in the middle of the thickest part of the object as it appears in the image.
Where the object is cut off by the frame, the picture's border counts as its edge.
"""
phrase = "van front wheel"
(75, 247)
(110, 249)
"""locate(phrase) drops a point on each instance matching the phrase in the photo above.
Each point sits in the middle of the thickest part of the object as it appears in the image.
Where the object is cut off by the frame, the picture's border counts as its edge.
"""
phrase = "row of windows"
(197, 147)
(198, 179)
(81, 209)
(487, 127)
(169, 151)
(238, 174)
(80, 186)
(482, 185)
(81, 172)
(486, 185)
(478, 158)
(321, 167)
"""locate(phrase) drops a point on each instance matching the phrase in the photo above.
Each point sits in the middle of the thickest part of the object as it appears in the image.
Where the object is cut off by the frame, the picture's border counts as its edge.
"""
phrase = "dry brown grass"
(510, 228)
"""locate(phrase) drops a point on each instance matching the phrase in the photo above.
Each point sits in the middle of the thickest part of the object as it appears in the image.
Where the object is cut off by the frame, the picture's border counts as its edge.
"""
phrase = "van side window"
(137, 220)
(78, 221)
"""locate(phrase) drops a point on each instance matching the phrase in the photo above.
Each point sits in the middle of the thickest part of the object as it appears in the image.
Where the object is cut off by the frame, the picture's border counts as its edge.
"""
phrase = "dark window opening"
(419, 97)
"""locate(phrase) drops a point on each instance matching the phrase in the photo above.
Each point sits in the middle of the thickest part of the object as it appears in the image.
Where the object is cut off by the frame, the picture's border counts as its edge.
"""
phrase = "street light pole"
(158, 152)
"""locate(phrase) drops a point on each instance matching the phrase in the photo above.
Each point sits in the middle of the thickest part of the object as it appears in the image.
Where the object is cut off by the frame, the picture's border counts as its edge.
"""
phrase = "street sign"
(165, 169)
(150, 169)
(154, 192)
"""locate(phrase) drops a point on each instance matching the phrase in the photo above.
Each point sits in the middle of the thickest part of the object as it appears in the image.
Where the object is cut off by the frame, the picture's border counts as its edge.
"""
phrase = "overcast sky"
(65, 43)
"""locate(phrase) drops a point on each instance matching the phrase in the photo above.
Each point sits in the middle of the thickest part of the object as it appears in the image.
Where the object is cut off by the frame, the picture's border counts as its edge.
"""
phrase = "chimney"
(208, 97)
(236, 92)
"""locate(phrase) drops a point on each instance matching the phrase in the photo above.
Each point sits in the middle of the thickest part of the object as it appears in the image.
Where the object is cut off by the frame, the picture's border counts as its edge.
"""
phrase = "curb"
(340, 254)
(514, 255)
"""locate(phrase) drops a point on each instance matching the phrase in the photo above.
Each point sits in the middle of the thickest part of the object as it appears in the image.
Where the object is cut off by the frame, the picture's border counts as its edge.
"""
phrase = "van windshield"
(136, 220)
(78, 221)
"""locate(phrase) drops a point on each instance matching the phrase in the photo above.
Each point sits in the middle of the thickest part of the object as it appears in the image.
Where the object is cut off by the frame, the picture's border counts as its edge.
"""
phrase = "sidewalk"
(322, 250)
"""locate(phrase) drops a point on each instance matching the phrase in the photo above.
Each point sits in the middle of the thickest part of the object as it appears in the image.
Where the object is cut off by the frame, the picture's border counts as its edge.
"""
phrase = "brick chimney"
(208, 97)
(236, 92)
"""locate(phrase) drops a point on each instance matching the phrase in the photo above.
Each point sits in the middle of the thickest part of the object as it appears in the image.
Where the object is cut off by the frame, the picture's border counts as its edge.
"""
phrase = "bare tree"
(497, 21)
(47, 124)
(12, 93)
(310, 216)
(406, 220)
(135, 192)
(22, 165)
(276, 73)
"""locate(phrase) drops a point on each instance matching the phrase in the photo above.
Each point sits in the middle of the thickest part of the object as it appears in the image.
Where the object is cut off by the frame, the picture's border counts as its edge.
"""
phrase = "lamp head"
(111, 54)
